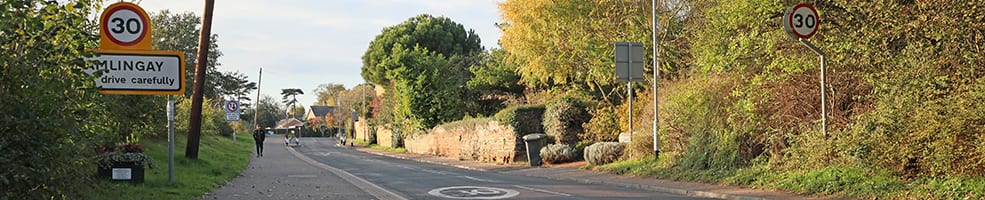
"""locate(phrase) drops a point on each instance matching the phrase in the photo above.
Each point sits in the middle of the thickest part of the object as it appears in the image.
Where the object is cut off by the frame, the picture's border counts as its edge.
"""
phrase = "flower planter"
(123, 171)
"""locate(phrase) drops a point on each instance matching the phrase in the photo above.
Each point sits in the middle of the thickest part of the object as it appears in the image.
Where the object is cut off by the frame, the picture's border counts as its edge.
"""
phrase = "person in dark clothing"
(258, 137)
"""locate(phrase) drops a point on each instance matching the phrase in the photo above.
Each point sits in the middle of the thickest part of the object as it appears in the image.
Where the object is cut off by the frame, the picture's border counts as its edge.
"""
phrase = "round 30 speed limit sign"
(124, 26)
(801, 21)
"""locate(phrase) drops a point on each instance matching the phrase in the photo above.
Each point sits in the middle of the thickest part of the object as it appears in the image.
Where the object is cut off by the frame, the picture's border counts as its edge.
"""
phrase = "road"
(407, 179)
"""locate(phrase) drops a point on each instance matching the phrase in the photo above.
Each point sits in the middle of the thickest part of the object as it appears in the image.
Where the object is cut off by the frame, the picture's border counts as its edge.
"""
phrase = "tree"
(235, 84)
(426, 60)
(328, 92)
(290, 99)
(51, 115)
(495, 81)
(570, 43)
(439, 35)
(427, 89)
(268, 112)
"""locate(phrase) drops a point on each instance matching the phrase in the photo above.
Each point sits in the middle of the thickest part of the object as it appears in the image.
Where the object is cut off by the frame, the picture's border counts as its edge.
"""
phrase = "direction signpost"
(232, 110)
(801, 22)
(629, 68)
(126, 64)
(232, 113)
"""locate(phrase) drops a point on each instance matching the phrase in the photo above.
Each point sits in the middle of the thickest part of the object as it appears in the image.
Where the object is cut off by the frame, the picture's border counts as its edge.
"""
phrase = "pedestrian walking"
(259, 137)
(287, 139)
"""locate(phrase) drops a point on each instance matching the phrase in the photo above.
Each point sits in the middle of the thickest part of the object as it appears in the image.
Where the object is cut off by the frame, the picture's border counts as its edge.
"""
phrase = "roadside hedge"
(563, 119)
(524, 119)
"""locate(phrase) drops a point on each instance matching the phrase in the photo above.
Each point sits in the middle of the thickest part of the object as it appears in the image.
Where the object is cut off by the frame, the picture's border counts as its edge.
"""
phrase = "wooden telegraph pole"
(195, 121)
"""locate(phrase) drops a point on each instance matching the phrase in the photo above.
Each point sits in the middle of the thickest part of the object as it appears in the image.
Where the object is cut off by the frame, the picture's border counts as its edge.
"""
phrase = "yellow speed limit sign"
(124, 26)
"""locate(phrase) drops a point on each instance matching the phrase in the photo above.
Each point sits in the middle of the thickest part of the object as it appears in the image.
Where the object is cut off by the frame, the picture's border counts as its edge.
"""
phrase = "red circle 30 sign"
(801, 21)
(124, 26)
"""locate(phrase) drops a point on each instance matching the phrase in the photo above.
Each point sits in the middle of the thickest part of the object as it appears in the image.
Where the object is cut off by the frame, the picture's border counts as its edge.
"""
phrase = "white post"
(170, 138)
(656, 73)
(824, 110)
(234, 129)
(629, 87)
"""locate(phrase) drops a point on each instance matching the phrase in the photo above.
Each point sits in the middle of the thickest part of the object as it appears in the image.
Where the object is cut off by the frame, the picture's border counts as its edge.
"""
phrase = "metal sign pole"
(824, 110)
(656, 74)
(629, 87)
(234, 130)
(170, 138)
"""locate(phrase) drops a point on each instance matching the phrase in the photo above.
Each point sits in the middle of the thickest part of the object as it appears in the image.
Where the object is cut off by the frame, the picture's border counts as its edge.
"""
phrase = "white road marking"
(542, 190)
(478, 179)
(473, 192)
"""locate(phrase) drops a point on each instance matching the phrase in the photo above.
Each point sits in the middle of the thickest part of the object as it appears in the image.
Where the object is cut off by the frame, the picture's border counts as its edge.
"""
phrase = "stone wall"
(384, 137)
(362, 129)
(477, 139)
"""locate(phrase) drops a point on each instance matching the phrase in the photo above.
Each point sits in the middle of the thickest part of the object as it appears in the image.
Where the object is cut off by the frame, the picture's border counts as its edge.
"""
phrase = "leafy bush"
(603, 152)
(50, 114)
(558, 153)
(525, 119)
(603, 126)
(580, 147)
(563, 119)
(714, 122)
(213, 116)
(641, 146)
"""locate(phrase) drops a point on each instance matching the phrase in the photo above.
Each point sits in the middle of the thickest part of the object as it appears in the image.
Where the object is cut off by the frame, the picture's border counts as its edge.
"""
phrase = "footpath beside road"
(570, 172)
(280, 174)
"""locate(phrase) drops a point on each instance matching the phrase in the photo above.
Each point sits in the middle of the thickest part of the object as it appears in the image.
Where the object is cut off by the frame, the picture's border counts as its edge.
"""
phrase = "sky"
(304, 43)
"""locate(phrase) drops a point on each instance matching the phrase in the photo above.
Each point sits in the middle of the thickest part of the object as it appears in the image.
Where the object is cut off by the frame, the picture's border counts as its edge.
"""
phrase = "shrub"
(603, 152)
(558, 153)
(563, 119)
(717, 123)
(525, 119)
(603, 126)
(641, 146)
(580, 147)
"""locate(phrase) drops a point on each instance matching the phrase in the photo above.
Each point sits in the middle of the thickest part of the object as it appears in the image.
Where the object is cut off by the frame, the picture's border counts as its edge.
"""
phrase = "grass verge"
(390, 149)
(219, 161)
(840, 180)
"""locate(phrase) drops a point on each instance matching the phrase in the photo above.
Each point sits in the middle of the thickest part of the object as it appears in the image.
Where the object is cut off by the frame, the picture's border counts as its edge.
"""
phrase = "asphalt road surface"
(409, 179)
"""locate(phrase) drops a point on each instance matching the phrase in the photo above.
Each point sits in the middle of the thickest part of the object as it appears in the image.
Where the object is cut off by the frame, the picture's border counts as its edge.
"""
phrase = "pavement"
(283, 173)
(571, 172)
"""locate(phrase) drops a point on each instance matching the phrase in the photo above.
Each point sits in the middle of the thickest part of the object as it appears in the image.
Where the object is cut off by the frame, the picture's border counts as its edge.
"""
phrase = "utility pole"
(365, 131)
(256, 106)
(195, 121)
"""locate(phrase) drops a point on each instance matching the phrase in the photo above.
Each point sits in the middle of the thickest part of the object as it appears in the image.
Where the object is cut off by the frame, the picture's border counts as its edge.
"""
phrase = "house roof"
(321, 111)
(289, 123)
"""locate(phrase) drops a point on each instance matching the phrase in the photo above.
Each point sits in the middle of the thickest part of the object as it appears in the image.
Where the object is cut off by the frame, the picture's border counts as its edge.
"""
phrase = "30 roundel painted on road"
(802, 21)
(473, 192)
(125, 25)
